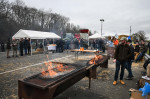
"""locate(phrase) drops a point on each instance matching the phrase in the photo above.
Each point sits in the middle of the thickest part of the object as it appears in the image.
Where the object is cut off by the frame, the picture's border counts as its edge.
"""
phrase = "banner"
(77, 35)
(84, 31)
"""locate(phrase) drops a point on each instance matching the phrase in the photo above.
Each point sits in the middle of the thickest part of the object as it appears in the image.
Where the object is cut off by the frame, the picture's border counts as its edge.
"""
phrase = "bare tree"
(17, 15)
(140, 35)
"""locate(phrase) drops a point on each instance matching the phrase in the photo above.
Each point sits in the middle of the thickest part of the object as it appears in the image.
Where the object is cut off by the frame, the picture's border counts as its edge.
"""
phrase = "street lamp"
(102, 20)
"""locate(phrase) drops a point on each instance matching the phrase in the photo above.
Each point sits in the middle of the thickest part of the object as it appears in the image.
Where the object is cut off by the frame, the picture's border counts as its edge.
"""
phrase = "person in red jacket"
(116, 42)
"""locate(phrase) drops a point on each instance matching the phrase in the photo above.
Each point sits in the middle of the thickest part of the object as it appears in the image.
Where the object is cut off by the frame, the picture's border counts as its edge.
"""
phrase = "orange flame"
(43, 72)
(95, 59)
(60, 67)
(46, 63)
(51, 72)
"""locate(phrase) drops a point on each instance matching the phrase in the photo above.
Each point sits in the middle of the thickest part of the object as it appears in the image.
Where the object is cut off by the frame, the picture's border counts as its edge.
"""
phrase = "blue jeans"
(129, 64)
(118, 65)
(139, 56)
(25, 51)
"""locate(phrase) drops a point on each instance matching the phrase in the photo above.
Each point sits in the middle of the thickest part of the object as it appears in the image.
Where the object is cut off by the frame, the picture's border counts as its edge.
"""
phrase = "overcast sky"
(119, 15)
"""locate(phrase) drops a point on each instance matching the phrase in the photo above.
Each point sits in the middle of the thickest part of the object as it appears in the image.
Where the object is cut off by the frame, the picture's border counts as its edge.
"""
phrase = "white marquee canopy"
(35, 35)
(96, 36)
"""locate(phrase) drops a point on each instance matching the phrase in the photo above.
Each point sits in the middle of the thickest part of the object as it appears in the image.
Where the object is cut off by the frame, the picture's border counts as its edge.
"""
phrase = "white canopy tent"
(35, 35)
(96, 36)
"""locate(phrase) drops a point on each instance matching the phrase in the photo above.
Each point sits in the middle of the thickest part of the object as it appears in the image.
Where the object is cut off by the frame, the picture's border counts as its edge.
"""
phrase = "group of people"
(98, 44)
(66, 44)
(15, 45)
(124, 56)
(74, 43)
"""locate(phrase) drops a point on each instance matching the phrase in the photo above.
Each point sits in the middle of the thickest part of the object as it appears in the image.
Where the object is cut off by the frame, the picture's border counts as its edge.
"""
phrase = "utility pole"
(102, 20)
(130, 30)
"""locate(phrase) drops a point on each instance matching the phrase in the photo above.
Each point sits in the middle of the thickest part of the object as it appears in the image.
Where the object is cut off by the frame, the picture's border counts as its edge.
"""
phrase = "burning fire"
(60, 67)
(95, 59)
(50, 72)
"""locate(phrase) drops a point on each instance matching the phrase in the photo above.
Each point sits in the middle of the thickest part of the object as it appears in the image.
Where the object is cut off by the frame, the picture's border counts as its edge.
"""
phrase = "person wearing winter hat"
(122, 54)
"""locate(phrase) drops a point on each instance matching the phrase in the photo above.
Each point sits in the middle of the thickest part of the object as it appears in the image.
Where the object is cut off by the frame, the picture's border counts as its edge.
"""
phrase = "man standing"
(29, 46)
(129, 63)
(14, 46)
(122, 54)
(21, 46)
(143, 50)
(8, 47)
(25, 46)
(149, 47)
(2, 46)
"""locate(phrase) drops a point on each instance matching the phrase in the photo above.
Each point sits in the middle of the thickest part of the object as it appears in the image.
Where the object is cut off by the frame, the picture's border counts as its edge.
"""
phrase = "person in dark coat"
(25, 46)
(41, 45)
(97, 43)
(29, 46)
(122, 54)
(21, 45)
(50, 41)
(76, 44)
(137, 48)
(8, 47)
(36, 45)
(143, 50)
(81, 42)
(103, 45)
(94, 44)
(57, 45)
(14, 47)
(61, 44)
(68, 44)
(2, 46)
(129, 64)
(149, 47)
(100, 44)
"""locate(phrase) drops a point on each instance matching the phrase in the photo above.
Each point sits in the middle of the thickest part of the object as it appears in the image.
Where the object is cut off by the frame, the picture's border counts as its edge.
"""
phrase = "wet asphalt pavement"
(14, 68)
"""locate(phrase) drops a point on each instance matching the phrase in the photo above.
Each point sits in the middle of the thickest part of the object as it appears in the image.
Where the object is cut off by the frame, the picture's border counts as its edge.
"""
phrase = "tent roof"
(96, 36)
(35, 34)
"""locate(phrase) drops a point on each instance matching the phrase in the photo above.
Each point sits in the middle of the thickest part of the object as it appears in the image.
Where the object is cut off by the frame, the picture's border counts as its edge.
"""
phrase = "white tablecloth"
(50, 47)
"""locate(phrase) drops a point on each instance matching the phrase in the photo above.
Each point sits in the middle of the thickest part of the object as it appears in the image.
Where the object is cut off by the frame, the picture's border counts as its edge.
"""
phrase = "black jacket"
(123, 52)
(137, 48)
(8, 45)
(21, 44)
(132, 52)
(148, 45)
(143, 48)
(25, 43)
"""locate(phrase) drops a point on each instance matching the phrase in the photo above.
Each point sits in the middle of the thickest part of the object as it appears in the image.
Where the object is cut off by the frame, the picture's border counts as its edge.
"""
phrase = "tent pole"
(53, 40)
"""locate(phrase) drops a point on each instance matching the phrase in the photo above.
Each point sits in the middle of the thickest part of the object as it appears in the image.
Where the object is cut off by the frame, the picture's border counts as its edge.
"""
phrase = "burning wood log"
(96, 59)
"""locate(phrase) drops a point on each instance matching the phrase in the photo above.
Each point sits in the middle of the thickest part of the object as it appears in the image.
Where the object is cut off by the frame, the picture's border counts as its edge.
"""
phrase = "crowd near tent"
(96, 36)
(35, 35)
